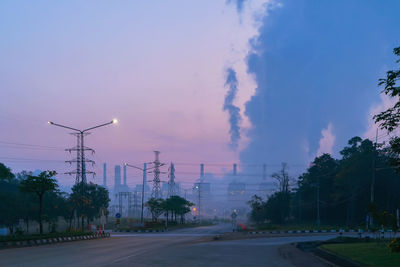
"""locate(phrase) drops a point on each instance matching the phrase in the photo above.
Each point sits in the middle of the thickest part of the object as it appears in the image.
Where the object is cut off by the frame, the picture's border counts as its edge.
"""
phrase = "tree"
(177, 206)
(319, 176)
(257, 213)
(5, 173)
(88, 199)
(39, 185)
(156, 207)
(390, 118)
(282, 177)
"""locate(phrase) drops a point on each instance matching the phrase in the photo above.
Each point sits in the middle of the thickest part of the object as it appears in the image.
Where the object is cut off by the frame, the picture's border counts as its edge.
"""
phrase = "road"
(185, 247)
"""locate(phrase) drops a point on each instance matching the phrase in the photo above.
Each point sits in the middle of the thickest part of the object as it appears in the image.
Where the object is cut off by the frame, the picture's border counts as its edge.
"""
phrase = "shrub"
(394, 245)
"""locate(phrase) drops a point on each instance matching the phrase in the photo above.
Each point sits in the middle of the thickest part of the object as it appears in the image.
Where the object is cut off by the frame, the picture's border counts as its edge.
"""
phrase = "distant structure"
(201, 172)
(237, 194)
(104, 175)
(125, 175)
(171, 181)
(117, 178)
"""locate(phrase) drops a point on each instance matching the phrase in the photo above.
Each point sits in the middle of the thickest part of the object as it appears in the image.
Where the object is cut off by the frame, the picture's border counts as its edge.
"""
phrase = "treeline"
(335, 191)
(38, 198)
(173, 207)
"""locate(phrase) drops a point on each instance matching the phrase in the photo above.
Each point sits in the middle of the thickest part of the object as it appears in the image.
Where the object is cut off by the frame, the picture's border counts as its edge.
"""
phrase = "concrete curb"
(339, 231)
(141, 231)
(47, 241)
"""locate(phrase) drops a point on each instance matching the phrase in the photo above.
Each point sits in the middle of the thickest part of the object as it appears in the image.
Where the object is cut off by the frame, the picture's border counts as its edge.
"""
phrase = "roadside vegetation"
(37, 198)
(366, 253)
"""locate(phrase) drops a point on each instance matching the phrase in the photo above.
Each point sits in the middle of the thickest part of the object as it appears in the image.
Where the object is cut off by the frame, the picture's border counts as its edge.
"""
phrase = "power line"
(30, 145)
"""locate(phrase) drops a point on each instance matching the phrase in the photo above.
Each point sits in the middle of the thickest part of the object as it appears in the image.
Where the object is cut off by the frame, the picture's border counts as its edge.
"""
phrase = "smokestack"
(202, 172)
(104, 174)
(117, 176)
(124, 174)
(234, 169)
(145, 173)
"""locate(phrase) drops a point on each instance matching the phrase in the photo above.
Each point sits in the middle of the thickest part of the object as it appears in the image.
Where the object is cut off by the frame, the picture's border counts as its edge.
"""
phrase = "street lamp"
(81, 166)
(144, 169)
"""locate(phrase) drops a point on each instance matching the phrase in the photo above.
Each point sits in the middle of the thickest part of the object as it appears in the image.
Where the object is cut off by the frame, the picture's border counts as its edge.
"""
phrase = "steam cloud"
(308, 76)
(239, 4)
(234, 112)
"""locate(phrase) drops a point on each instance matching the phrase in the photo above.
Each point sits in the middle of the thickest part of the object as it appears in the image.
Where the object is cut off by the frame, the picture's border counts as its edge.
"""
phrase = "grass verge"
(368, 253)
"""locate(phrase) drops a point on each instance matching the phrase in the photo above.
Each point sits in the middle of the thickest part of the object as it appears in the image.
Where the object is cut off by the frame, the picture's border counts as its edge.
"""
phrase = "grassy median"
(369, 254)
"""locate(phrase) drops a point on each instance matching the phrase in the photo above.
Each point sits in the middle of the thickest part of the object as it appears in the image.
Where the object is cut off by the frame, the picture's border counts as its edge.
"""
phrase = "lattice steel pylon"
(80, 160)
(156, 191)
(171, 181)
(80, 149)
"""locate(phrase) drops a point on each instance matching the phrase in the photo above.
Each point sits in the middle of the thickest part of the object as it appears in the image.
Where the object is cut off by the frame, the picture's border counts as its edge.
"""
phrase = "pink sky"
(159, 69)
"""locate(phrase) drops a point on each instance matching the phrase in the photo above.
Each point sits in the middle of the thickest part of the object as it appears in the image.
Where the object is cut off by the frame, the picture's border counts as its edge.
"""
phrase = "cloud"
(239, 4)
(311, 67)
(234, 112)
(327, 140)
(386, 102)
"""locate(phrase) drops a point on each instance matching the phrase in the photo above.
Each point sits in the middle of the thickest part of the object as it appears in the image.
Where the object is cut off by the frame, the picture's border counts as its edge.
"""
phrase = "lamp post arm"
(98, 126)
(63, 126)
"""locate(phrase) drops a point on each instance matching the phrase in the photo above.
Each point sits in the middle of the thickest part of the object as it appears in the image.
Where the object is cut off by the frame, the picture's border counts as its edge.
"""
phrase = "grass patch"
(368, 253)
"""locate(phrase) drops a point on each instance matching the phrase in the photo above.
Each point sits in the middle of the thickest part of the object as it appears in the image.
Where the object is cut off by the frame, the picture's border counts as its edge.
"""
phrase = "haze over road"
(177, 248)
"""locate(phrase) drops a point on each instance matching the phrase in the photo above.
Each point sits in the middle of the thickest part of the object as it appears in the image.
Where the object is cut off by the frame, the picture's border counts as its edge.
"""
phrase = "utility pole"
(135, 204)
(299, 193)
(318, 215)
(144, 182)
(198, 187)
(171, 181)
(371, 219)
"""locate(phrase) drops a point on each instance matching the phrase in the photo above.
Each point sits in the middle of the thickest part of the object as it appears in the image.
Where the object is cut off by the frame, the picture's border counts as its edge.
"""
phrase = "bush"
(394, 245)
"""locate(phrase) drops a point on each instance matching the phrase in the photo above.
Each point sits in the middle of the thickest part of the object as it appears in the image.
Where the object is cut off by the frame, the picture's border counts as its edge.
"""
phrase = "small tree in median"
(39, 185)
(156, 207)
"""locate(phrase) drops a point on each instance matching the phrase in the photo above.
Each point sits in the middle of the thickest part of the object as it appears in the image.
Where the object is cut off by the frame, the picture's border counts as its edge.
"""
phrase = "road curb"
(142, 231)
(311, 231)
(48, 241)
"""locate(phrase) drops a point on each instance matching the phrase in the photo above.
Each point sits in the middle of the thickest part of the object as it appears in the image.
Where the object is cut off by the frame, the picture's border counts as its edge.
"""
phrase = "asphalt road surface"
(185, 247)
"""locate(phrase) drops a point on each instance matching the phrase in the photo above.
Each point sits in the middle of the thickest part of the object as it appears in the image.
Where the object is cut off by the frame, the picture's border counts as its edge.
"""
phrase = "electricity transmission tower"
(171, 181)
(156, 191)
(80, 160)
